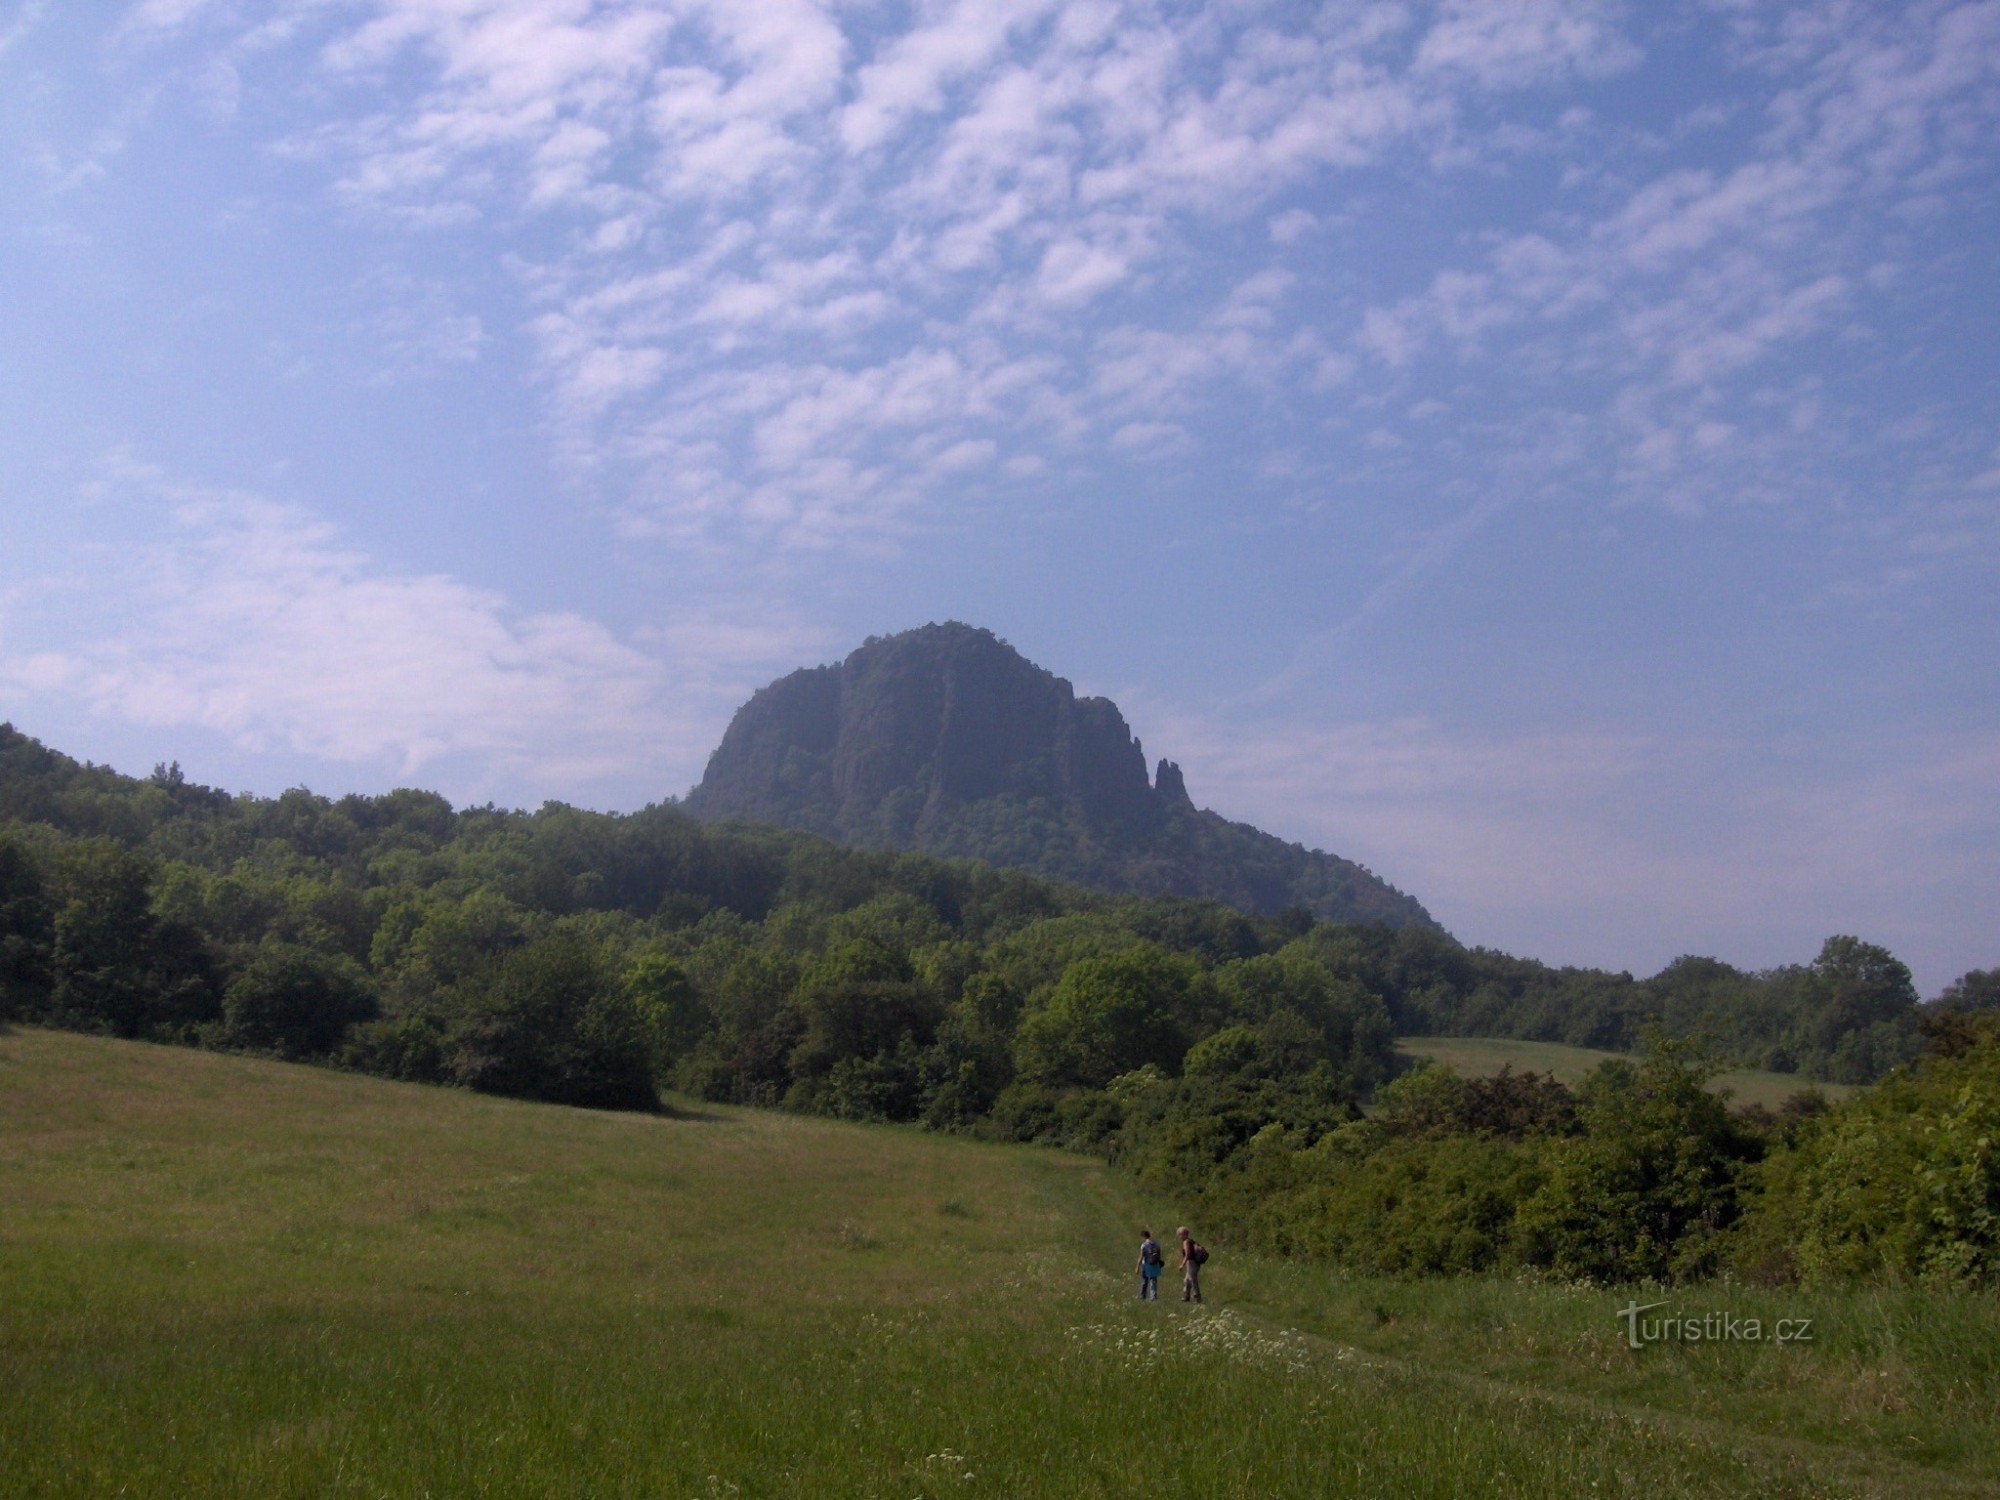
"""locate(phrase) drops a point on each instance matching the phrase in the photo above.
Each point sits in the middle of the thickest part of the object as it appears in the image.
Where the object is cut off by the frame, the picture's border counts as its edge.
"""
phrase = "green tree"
(866, 1020)
(27, 930)
(1857, 1011)
(1350, 1028)
(1900, 1182)
(295, 1001)
(114, 965)
(1107, 1016)
(1978, 989)
(548, 1022)
(670, 1012)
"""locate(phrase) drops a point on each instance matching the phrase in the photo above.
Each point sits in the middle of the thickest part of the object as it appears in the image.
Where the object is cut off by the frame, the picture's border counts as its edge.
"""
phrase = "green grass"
(1478, 1056)
(231, 1277)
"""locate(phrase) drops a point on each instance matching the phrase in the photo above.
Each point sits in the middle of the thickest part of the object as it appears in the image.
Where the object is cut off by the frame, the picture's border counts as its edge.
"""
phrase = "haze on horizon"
(1547, 450)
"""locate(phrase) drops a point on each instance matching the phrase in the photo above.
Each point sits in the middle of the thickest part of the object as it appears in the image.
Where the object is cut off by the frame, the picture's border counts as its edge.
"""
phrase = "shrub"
(1442, 1205)
(1436, 1101)
(1900, 1183)
(1647, 1188)
(410, 1047)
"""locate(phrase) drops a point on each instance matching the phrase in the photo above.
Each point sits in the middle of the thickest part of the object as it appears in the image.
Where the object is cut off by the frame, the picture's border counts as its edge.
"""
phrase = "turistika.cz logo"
(1708, 1328)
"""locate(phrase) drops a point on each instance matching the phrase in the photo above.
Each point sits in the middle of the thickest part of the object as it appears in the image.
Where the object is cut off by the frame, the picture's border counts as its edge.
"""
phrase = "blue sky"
(1546, 449)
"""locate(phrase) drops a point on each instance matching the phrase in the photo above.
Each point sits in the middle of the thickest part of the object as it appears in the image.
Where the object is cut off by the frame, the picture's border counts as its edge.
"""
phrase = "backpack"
(1154, 1256)
(1198, 1255)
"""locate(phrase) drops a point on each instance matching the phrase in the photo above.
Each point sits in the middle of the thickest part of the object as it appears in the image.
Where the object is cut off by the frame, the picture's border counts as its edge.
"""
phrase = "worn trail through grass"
(231, 1277)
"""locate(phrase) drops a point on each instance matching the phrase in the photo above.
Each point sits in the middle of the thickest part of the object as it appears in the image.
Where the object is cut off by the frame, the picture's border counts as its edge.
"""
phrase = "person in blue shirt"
(1152, 1260)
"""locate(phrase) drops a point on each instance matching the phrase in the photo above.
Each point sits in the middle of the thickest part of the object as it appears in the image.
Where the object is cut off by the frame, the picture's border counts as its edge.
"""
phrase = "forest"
(1243, 1063)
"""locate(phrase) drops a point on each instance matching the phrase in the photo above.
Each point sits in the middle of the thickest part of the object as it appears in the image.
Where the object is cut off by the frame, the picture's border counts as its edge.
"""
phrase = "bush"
(1901, 1183)
(1437, 1206)
(1436, 1101)
(1647, 1189)
(882, 1086)
(409, 1047)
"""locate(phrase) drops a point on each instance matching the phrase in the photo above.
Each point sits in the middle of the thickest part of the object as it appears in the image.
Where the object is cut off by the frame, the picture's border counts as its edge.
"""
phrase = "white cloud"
(1073, 272)
(1506, 43)
(163, 15)
(25, 19)
(912, 73)
(738, 224)
(1042, 149)
(258, 621)
(1678, 301)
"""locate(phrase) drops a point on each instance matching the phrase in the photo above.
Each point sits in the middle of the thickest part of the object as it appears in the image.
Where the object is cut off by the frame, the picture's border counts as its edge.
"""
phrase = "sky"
(1547, 450)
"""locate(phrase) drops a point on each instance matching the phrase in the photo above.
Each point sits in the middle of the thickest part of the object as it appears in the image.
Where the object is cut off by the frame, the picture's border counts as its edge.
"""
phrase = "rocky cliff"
(947, 740)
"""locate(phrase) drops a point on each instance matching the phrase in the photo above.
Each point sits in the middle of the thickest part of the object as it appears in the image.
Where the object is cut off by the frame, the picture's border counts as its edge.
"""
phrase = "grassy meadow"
(221, 1276)
(1480, 1056)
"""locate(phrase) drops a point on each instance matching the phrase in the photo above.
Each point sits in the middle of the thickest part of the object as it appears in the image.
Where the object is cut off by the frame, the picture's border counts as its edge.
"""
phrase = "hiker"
(1152, 1260)
(1192, 1259)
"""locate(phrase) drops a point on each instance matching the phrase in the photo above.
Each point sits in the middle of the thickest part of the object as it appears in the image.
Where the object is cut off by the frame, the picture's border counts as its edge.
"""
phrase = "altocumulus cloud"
(777, 258)
(806, 255)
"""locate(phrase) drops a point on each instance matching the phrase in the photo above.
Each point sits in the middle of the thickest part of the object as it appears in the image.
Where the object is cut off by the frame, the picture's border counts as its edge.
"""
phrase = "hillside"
(947, 741)
(235, 1277)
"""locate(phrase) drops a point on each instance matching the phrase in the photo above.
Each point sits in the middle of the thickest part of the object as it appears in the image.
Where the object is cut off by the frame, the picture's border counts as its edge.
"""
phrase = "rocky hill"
(948, 741)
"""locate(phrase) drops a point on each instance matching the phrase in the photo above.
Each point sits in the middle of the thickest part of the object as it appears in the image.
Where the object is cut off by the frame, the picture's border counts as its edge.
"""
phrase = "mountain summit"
(949, 741)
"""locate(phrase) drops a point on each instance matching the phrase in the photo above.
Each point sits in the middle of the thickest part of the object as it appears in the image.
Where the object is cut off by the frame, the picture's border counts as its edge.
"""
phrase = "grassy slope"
(1477, 1056)
(233, 1277)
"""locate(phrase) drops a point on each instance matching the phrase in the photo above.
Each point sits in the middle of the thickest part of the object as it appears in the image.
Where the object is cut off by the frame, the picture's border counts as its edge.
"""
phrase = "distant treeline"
(595, 959)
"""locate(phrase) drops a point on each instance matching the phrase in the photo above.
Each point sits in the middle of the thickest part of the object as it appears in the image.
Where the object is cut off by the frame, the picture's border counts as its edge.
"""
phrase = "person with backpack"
(1152, 1260)
(1193, 1258)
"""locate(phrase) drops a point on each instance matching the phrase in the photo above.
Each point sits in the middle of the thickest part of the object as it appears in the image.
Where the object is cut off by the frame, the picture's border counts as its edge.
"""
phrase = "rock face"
(947, 740)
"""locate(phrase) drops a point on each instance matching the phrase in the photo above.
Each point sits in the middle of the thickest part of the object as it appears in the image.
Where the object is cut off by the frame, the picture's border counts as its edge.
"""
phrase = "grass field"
(1478, 1056)
(231, 1277)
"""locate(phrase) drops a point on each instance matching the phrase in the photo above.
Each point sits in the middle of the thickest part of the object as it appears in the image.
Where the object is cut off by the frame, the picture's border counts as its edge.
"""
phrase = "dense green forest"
(595, 959)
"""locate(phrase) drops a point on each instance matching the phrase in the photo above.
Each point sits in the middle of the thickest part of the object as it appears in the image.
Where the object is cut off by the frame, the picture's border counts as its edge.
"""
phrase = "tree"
(1107, 1016)
(1978, 989)
(295, 1001)
(861, 1019)
(1351, 1029)
(26, 931)
(670, 1013)
(114, 965)
(1900, 1182)
(547, 1022)
(1857, 1010)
